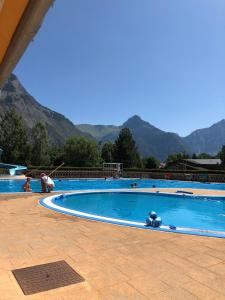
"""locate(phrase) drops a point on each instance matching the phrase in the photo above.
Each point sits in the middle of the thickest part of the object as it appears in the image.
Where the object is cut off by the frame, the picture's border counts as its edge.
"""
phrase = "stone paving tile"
(83, 291)
(5, 264)
(174, 294)
(219, 254)
(116, 262)
(107, 276)
(200, 290)
(204, 260)
(148, 285)
(218, 284)
(218, 269)
(199, 248)
(122, 291)
(8, 291)
(173, 278)
(130, 269)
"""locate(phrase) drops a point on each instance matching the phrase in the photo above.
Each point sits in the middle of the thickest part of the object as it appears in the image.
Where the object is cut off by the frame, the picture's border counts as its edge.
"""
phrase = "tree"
(194, 156)
(222, 156)
(80, 152)
(150, 162)
(108, 152)
(56, 155)
(40, 149)
(126, 150)
(176, 156)
(13, 139)
(204, 156)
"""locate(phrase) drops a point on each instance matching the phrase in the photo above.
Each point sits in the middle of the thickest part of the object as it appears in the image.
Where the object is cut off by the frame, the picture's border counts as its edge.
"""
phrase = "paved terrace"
(116, 262)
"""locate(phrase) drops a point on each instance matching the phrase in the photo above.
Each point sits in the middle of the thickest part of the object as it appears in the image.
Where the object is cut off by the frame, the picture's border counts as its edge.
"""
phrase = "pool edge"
(79, 214)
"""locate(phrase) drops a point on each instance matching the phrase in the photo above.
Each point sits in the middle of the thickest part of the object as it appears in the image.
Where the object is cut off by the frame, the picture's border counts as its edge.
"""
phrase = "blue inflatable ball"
(61, 197)
(156, 222)
(153, 215)
(148, 222)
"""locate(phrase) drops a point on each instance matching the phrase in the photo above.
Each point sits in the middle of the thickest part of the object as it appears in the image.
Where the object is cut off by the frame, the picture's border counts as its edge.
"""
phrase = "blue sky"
(102, 61)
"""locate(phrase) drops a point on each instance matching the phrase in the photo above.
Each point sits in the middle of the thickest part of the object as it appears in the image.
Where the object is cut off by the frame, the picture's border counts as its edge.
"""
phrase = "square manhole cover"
(45, 277)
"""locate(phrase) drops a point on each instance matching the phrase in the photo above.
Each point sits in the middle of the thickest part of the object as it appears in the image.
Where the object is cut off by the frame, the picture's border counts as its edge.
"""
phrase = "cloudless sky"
(102, 61)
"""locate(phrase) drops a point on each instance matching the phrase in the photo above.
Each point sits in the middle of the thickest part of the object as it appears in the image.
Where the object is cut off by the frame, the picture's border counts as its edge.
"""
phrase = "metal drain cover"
(45, 277)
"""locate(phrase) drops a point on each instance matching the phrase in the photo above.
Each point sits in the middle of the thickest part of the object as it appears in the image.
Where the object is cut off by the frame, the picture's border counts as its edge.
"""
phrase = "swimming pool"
(190, 214)
(13, 186)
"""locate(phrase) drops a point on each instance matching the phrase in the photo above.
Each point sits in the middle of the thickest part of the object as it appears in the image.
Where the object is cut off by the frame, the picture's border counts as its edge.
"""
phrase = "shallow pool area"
(13, 186)
(199, 215)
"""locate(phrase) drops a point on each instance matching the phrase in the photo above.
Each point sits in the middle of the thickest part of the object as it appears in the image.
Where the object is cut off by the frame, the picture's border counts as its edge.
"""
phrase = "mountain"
(99, 131)
(153, 141)
(208, 140)
(150, 140)
(14, 95)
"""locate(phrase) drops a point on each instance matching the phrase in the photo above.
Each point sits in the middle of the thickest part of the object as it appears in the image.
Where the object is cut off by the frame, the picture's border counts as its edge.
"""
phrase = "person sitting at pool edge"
(46, 183)
(26, 185)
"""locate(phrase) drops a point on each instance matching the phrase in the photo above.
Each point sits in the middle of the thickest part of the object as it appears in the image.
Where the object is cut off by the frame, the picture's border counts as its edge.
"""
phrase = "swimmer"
(26, 186)
(133, 185)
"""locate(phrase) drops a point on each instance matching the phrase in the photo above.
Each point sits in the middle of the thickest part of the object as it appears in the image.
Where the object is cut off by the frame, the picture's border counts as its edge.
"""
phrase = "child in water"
(26, 186)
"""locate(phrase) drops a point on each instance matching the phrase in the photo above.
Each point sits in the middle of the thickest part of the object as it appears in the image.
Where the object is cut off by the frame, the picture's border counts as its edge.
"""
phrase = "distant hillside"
(208, 140)
(153, 141)
(150, 140)
(14, 95)
(98, 131)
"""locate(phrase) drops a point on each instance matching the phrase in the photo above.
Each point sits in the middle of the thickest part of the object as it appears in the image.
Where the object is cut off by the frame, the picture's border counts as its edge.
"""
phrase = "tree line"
(33, 148)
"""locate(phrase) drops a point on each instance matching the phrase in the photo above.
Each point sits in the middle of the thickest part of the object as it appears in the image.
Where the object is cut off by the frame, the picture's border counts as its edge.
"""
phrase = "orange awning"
(19, 22)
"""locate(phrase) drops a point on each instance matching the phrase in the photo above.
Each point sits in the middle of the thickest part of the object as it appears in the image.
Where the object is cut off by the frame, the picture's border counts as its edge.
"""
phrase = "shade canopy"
(19, 22)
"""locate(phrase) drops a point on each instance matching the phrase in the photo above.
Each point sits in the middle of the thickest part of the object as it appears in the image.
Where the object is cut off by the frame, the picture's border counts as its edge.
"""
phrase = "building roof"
(208, 161)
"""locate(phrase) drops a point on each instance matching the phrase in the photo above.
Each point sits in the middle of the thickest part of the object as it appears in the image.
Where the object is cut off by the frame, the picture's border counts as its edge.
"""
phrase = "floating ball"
(149, 222)
(156, 222)
(153, 215)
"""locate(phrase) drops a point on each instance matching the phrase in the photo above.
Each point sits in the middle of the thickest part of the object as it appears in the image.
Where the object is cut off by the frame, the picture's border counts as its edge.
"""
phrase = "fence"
(4, 172)
(202, 177)
(72, 173)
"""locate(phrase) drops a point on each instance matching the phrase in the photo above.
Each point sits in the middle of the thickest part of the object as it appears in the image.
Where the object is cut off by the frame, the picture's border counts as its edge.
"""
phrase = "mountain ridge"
(208, 140)
(14, 95)
(150, 140)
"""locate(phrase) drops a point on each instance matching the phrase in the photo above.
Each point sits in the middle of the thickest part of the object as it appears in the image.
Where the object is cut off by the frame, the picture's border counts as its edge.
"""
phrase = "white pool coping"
(48, 203)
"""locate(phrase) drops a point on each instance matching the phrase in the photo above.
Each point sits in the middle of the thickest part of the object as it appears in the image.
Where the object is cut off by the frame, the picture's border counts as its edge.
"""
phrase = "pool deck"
(117, 262)
(194, 191)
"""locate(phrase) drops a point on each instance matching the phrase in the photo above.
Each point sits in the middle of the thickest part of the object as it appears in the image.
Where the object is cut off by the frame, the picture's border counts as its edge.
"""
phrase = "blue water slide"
(13, 169)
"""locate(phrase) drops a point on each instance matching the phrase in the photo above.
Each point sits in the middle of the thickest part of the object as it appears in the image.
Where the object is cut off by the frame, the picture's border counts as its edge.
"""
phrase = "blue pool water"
(204, 213)
(86, 184)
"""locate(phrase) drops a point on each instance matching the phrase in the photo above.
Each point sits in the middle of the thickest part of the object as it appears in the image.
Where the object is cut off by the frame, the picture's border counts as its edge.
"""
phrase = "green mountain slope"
(14, 95)
(150, 140)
